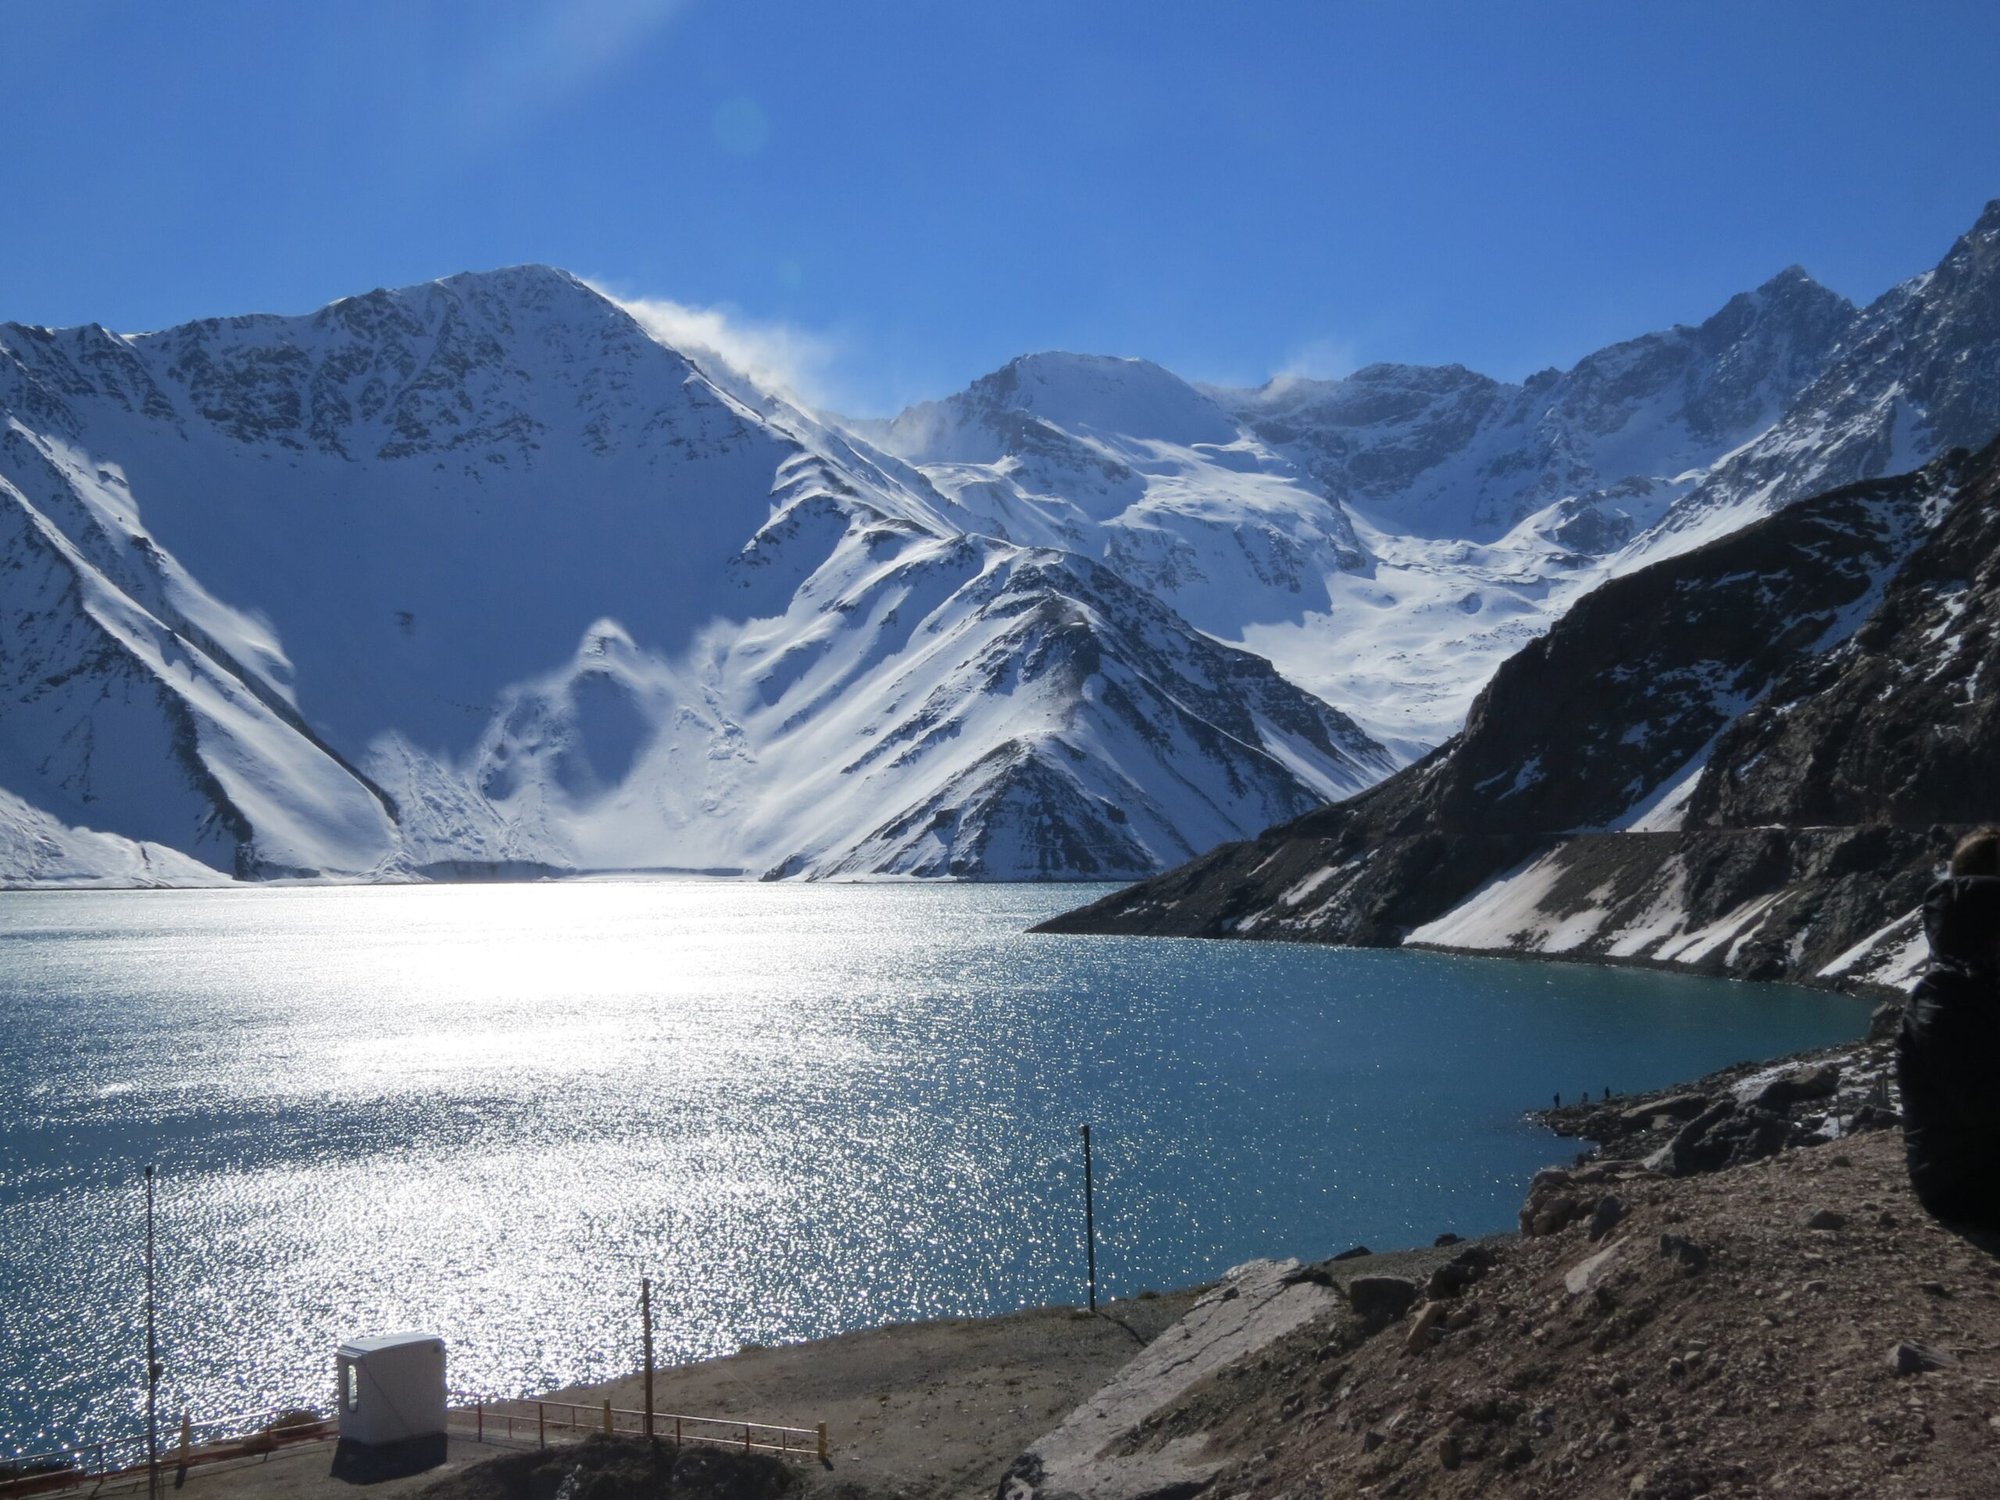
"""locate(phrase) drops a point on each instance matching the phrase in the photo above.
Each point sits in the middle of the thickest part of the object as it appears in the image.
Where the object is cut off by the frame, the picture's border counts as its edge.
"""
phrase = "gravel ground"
(922, 1409)
(1797, 1327)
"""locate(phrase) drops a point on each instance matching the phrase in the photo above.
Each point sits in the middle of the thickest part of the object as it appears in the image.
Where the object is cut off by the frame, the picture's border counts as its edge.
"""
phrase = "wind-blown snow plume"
(793, 361)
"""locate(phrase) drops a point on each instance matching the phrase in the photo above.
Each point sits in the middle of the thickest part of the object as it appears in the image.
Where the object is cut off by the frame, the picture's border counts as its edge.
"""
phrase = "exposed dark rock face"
(1807, 689)
(1901, 724)
(1915, 373)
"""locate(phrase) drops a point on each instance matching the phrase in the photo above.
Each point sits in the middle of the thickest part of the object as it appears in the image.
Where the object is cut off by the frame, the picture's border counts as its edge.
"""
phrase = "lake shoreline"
(944, 1364)
(590, 1080)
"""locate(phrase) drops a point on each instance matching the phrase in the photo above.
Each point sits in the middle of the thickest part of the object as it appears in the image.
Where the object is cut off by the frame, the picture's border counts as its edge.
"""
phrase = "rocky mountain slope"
(1796, 1327)
(1747, 758)
(1912, 376)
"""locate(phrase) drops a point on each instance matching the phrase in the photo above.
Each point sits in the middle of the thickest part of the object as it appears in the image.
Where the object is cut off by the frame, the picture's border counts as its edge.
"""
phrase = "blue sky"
(891, 197)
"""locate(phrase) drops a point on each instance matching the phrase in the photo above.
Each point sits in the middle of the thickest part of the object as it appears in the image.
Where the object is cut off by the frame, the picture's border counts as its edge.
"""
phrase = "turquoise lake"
(486, 1111)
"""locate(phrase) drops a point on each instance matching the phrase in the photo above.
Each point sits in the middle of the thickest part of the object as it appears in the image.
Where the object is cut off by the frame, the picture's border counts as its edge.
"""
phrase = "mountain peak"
(530, 276)
(535, 288)
(1793, 276)
(1794, 287)
(1110, 393)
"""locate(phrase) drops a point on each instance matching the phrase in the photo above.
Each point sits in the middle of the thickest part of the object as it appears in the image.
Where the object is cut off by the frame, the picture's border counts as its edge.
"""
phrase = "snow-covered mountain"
(1386, 539)
(481, 574)
(1444, 452)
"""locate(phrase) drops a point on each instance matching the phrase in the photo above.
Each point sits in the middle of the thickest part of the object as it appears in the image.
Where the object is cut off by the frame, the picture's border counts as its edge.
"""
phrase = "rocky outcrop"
(1794, 1325)
(1255, 1305)
(1745, 760)
(1737, 1115)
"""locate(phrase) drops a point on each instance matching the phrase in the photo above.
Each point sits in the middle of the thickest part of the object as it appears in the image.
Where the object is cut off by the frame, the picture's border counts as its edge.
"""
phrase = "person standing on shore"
(1948, 1050)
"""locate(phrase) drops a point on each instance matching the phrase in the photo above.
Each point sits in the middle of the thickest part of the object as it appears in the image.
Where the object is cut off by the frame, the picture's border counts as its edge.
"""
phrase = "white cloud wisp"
(777, 356)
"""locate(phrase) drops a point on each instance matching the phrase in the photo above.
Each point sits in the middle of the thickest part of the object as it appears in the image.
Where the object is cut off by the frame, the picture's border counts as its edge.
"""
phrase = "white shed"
(391, 1388)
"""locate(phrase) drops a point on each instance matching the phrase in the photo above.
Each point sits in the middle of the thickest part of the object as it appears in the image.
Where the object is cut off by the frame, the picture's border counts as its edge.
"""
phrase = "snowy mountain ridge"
(512, 585)
(482, 575)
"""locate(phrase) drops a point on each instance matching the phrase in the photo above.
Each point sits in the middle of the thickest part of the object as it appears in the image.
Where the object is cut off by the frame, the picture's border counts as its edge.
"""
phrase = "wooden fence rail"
(248, 1434)
(512, 1420)
(260, 1433)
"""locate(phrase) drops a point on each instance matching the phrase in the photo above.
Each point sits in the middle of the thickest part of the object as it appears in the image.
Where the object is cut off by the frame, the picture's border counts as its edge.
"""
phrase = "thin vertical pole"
(152, 1359)
(646, 1327)
(1089, 1220)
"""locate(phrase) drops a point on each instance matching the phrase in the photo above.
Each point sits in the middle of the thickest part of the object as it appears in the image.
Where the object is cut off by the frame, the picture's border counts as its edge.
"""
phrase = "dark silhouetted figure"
(1948, 1051)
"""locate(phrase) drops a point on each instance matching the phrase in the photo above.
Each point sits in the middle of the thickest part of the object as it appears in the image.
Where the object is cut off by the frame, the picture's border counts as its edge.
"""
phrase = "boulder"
(1915, 1359)
(1380, 1300)
(1588, 1275)
(1684, 1252)
(1726, 1135)
(1673, 1107)
(1552, 1204)
(1458, 1273)
(1798, 1086)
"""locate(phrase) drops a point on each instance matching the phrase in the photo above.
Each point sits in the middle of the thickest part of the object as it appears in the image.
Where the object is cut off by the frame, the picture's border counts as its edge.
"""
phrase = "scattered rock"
(1588, 1274)
(1673, 1107)
(1424, 1331)
(1604, 1218)
(1690, 1256)
(1798, 1086)
(1460, 1272)
(1827, 1218)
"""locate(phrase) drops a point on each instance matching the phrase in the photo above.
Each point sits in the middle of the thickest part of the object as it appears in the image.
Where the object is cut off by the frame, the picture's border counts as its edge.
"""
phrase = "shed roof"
(353, 1348)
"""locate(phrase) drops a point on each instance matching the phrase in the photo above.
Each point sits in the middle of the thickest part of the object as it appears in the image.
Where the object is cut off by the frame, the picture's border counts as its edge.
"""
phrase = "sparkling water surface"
(485, 1111)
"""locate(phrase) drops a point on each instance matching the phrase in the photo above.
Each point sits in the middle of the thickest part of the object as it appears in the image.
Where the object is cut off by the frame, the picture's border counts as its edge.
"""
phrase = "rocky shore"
(1730, 1292)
